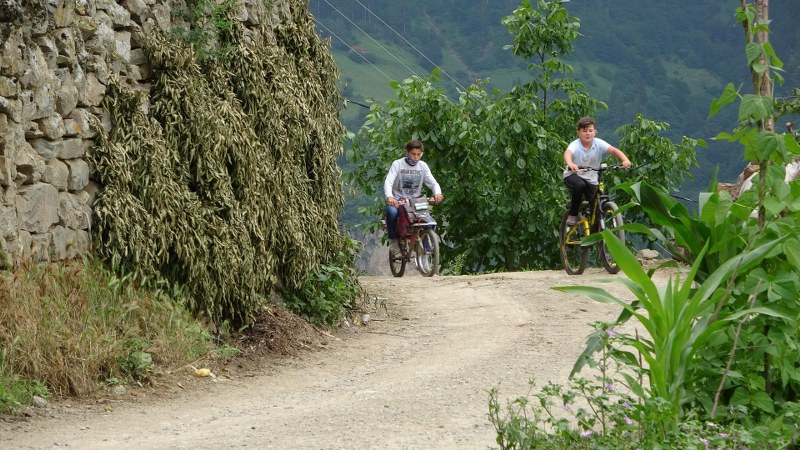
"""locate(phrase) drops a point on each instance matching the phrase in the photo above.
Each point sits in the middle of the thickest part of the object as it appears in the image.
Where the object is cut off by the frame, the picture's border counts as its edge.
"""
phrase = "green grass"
(505, 79)
(362, 83)
(700, 80)
(597, 76)
(372, 82)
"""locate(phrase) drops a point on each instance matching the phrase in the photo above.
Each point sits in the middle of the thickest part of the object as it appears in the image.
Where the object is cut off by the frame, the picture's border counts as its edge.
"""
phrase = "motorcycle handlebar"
(403, 201)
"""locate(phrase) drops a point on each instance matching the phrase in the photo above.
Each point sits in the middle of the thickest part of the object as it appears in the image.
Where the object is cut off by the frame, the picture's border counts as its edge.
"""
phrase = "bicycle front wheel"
(612, 219)
(397, 260)
(573, 256)
(427, 252)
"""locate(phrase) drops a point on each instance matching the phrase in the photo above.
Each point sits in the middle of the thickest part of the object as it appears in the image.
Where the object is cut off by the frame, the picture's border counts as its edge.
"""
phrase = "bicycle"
(600, 216)
(417, 238)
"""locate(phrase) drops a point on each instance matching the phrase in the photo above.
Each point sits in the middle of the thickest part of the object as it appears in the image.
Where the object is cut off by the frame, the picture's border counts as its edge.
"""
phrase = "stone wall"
(56, 57)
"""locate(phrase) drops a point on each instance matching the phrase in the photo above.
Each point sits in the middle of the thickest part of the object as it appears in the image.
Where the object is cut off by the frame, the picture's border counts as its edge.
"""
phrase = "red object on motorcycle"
(403, 222)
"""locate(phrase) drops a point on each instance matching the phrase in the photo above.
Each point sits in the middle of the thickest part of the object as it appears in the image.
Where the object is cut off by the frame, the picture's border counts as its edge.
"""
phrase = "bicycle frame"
(592, 224)
(591, 219)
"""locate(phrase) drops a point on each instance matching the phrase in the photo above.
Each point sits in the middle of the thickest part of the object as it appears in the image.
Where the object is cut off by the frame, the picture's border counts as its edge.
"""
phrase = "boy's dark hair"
(414, 144)
(585, 122)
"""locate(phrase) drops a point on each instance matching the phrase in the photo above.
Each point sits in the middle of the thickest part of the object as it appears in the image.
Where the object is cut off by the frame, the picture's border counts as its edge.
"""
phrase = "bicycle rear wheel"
(573, 256)
(427, 252)
(612, 219)
(397, 260)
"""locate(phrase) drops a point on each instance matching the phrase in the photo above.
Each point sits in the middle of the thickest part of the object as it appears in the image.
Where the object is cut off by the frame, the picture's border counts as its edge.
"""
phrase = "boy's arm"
(568, 160)
(431, 182)
(387, 185)
(617, 153)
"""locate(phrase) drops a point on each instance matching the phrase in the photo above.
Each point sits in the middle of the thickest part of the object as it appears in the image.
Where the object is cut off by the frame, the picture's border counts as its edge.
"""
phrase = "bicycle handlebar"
(604, 167)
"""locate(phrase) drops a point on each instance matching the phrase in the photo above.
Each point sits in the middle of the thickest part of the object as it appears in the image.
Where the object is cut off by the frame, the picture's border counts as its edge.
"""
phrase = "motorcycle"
(417, 238)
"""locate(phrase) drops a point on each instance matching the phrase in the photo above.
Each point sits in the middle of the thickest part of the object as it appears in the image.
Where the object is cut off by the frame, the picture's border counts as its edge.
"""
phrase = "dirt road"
(416, 376)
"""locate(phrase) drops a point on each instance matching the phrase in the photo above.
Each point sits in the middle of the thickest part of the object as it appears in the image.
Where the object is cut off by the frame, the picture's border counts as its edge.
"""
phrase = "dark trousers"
(391, 221)
(579, 189)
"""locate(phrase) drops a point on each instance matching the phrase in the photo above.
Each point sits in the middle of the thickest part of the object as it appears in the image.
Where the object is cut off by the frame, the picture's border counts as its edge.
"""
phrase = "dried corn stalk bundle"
(229, 185)
(288, 93)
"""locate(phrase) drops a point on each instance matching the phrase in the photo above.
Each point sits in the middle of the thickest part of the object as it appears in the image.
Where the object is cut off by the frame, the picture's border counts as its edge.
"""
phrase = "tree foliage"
(497, 154)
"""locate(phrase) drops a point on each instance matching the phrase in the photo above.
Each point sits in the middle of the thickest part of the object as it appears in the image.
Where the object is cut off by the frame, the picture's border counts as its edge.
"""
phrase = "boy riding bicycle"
(586, 151)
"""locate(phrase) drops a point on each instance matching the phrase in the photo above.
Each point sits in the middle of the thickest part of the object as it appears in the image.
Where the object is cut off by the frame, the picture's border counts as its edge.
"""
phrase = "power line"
(359, 104)
(352, 49)
(411, 45)
(347, 100)
(373, 39)
(683, 198)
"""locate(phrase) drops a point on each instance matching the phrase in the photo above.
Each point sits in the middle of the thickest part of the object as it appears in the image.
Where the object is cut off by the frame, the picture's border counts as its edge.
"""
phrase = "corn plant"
(678, 318)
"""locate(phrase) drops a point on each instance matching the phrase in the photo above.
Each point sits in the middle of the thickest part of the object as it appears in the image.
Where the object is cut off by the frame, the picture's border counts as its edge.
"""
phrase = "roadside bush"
(714, 366)
(620, 423)
(608, 412)
(332, 291)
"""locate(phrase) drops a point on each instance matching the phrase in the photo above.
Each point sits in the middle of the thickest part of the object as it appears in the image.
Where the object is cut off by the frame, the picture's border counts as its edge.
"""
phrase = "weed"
(16, 392)
(73, 325)
(207, 26)
(137, 364)
(456, 265)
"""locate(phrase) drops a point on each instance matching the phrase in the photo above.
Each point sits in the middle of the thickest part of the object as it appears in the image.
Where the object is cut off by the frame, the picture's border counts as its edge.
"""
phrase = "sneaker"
(572, 220)
(394, 247)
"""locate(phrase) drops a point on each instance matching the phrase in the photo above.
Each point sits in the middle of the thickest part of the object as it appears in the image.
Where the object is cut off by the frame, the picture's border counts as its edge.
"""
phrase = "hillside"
(665, 60)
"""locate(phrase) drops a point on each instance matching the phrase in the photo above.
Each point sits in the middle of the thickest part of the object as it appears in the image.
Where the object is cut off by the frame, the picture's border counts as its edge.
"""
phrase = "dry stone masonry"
(56, 57)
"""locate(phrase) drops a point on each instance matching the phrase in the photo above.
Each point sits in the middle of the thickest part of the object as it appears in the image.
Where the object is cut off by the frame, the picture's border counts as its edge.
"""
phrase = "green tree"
(496, 154)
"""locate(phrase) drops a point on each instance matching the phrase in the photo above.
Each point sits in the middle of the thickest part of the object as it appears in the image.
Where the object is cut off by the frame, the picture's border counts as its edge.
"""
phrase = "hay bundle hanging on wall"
(228, 186)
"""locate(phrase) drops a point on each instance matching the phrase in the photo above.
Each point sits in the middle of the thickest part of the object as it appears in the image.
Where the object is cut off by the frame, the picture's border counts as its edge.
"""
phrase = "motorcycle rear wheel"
(427, 252)
(397, 261)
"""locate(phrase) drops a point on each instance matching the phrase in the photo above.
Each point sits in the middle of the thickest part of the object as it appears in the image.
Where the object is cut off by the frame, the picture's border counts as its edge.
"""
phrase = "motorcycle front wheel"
(427, 252)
